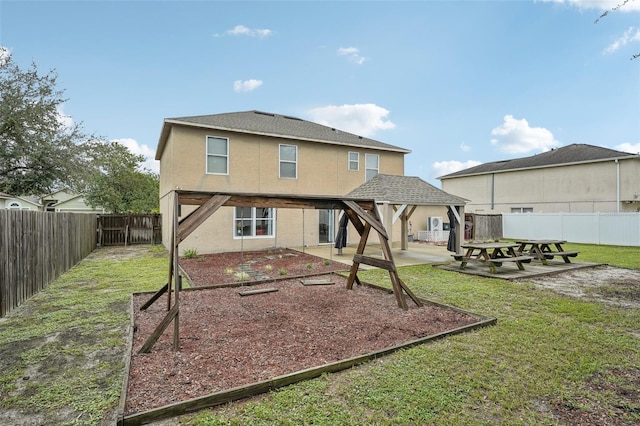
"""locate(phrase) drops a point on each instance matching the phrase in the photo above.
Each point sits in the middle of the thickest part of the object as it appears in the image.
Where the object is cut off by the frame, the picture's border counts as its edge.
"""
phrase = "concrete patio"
(438, 256)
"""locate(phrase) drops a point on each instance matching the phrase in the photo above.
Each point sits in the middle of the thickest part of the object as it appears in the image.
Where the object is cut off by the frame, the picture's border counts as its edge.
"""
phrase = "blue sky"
(457, 82)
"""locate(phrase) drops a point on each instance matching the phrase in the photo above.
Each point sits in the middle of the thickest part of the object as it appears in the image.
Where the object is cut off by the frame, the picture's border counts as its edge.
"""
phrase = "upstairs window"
(372, 166)
(521, 209)
(217, 155)
(288, 161)
(354, 161)
(254, 222)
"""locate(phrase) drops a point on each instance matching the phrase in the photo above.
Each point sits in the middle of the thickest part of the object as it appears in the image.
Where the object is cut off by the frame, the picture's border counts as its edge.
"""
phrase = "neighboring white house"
(8, 201)
(65, 201)
(577, 178)
(59, 201)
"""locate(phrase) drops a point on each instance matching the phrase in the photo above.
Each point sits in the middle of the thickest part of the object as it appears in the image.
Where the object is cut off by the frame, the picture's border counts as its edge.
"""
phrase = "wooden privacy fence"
(482, 227)
(36, 248)
(125, 229)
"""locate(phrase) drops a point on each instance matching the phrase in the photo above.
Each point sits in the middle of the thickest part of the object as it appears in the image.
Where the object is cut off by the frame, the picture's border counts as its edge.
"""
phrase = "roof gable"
(405, 190)
(268, 124)
(571, 154)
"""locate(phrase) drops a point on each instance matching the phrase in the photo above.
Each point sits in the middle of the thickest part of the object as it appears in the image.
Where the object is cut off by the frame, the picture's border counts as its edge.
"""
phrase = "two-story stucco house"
(263, 153)
(576, 178)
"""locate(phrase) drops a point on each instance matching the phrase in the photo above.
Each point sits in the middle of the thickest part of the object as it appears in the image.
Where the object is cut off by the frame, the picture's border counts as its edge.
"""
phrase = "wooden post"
(176, 272)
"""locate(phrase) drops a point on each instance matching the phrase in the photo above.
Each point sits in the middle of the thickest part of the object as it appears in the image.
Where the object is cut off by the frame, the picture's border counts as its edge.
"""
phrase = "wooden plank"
(202, 213)
(355, 220)
(258, 291)
(355, 265)
(317, 282)
(374, 261)
(151, 340)
(367, 217)
(155, 297)
(413, 297)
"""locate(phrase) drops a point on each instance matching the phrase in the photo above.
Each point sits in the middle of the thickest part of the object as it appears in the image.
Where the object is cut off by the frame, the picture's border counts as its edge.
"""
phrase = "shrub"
(282, 271)
(190, 253)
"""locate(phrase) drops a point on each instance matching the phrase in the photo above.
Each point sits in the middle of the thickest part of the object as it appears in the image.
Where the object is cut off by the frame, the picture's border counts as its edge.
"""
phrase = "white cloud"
(360, 119)
(144, 150)
(516, 137)
(629, 147)
(5, 54)
(63, 119)
(352, 54)
(629, 6)
(241, 30)
(629, 36)
(441, 168)
(240, 86)
(464, 147)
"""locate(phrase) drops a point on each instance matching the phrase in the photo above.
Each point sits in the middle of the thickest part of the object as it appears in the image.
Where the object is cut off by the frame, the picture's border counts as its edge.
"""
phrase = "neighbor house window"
(354, 161)
(254, 222)
(14, 205)
(521, 209)
(372, 165)
(288, 161)
(217, 155)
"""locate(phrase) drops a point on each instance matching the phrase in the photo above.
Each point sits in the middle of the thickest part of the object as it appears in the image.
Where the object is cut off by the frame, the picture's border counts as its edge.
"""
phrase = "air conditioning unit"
(435, 223)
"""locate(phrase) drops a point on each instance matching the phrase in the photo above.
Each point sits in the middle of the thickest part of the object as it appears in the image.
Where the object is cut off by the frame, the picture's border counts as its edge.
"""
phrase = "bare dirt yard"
(229, 340)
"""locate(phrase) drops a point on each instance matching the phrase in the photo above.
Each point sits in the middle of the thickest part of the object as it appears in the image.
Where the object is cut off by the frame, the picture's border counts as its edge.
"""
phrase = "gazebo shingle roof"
(409, 190)
(269, 124)
(571, 154)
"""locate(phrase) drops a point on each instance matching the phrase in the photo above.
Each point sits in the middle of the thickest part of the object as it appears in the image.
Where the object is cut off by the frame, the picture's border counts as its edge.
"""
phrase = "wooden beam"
(374, 261)
(398, 212)
(148, 344)
(413, 209)
(367, 217)
(257, 291)
(202, 213)
(355, 219)
(409, 292)
(155, 297)
(317, 282)
(355, 265)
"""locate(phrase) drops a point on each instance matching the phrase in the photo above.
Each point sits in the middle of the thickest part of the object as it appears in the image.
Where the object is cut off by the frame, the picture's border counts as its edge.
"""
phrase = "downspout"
(617, 186)
(493, 189)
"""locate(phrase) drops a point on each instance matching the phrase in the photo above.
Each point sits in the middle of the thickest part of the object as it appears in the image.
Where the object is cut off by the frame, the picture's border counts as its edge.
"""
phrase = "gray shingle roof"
(405, 190)
(571, 154)
(264, 123)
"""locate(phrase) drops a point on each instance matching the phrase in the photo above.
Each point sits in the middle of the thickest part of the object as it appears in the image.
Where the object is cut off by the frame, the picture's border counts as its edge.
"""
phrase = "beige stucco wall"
(577, 188)
(254, 168)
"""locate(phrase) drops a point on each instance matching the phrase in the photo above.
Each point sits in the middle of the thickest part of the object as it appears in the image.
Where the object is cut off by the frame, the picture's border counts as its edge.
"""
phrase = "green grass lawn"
(547, 352)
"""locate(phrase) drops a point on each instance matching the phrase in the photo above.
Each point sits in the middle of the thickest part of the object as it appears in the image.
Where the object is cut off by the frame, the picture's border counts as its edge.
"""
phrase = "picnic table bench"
(492, 254)
(544, 250)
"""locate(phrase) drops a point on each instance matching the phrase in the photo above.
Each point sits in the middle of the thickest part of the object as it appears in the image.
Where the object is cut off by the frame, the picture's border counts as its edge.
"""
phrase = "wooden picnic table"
(544, 250)
(492, 255)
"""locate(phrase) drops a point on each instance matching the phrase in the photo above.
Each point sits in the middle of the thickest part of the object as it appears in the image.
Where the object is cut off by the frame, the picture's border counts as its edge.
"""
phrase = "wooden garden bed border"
(253, 389)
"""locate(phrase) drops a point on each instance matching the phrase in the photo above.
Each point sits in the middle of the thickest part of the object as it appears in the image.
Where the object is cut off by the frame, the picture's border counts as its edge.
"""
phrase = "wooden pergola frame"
(362, 213)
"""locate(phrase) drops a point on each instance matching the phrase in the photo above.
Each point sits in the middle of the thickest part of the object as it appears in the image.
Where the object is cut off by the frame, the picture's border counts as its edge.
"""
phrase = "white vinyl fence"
(620, 229)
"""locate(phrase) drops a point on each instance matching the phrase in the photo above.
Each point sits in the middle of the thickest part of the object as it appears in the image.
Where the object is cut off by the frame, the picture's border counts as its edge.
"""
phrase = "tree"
(39, 153)
(118, 185)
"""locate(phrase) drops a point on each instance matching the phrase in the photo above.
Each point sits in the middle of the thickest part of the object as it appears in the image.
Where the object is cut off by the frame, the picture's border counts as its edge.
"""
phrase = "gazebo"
(403, 194)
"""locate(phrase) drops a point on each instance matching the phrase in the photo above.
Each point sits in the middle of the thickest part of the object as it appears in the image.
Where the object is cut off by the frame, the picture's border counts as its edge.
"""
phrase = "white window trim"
(206, 155)
(366, 169)
(253, 225)
(521, 210)
(357, 161)
(280, 161)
